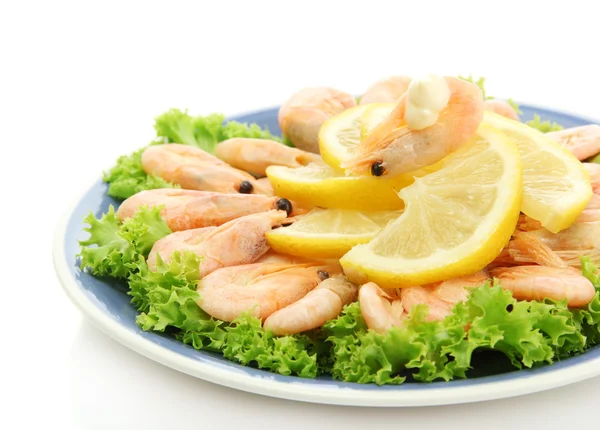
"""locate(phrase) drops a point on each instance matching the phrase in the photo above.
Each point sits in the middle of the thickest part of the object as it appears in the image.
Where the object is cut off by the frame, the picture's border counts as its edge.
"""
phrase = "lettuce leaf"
(536, 122)
(178, 126)
(587, 320)
(127, 177)
(116, 249)
(420, 349)
(543, 126)
(515, 106)
(205, 132)
(527, 333)
(502, 323)
(480, 82)
(105, 253)
(248, 344)
(182, 271)
(167, 299)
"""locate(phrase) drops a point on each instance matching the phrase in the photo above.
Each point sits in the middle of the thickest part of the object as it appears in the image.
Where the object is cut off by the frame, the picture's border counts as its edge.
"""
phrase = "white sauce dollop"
(426, 97)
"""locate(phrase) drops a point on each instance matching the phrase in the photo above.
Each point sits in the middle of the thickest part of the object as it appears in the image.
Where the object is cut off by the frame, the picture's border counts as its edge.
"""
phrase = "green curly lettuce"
(117, 248)
(536, 122)
(181, 271)
(543, 126)
(127, 177)
(167, 299)
(527, 333)
(515, 106)
(233, 129)
(177, 126)
(587, 320)
(204, 132)
(480, 82)
(248, 344)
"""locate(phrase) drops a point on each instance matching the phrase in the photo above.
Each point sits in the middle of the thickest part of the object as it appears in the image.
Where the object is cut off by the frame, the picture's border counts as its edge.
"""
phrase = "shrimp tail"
(573, 257)
(534, 250)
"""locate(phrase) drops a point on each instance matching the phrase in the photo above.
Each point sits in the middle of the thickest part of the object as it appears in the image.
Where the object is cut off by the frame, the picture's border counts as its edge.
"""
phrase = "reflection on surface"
(114, 387)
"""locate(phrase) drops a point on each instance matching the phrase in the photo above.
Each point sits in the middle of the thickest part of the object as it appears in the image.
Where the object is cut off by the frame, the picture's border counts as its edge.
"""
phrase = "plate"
(107, 306)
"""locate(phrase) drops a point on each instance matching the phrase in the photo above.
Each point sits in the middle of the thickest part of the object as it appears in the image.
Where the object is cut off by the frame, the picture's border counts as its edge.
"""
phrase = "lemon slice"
(373, 116)
(339, 135)
(456, 220)
(319, 185)
(556, 185)
(328, 233)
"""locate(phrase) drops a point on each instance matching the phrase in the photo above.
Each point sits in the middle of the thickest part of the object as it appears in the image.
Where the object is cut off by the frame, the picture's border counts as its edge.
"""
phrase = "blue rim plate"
(107, 306)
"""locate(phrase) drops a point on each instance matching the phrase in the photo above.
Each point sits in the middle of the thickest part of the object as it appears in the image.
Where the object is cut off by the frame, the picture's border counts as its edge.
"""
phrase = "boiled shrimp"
(542, 282)
(531, 243)
(555, 250)
(255, 155)
(381, 310)
(240, 241)
(392, 147)
(301, 116)
(188, 209)
(265, 186)
(441, 297)
(387, 90)
(259, 288)
(320, 305)
(272, 256)
(594, 171)
(194, 169)
(583, 141)
(501, 107)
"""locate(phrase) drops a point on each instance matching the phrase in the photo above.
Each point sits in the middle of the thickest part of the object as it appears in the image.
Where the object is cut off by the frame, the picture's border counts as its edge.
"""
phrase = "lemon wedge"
(456, 220)
(323, 186)
(556, 185)
(328, 233)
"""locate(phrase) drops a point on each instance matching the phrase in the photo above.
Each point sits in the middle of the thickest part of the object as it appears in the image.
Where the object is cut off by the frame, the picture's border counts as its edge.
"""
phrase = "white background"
(80, 84)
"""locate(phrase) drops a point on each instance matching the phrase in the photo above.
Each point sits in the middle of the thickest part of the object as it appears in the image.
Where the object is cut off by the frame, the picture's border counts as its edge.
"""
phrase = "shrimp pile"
(221, 213)
(226, 206)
